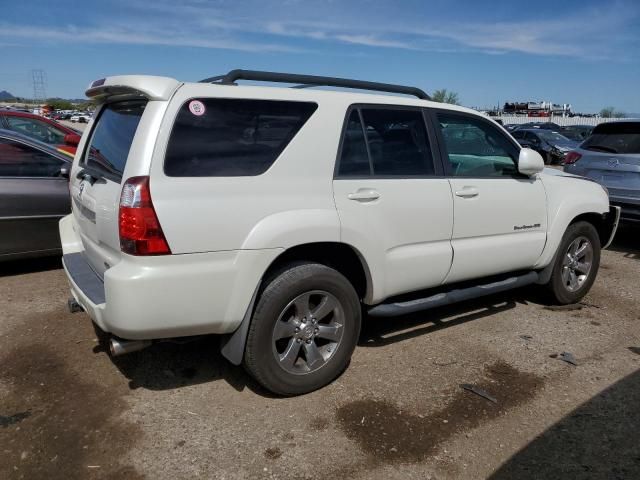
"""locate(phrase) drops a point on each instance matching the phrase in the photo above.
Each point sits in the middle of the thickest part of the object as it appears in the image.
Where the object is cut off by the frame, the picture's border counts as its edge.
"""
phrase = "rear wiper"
(91, 175)
(600, 148)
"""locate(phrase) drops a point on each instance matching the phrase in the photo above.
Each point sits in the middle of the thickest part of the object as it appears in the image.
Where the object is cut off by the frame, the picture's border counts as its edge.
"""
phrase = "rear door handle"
(364, 195)
(467, 192)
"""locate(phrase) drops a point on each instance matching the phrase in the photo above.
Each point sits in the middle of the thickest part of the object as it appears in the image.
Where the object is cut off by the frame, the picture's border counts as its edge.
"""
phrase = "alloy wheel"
(308, 332)
(577, 263)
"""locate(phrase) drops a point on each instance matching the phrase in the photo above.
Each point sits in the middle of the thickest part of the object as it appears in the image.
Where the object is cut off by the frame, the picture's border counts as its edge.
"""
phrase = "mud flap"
(232, 345)
(611, 221)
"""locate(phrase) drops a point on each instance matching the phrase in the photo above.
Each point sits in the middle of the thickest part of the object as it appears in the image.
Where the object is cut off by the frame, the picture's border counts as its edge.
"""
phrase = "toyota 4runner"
(279, 217)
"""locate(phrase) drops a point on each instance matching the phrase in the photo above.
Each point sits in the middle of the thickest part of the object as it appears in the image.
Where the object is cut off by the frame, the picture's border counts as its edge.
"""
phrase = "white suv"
(277, 216)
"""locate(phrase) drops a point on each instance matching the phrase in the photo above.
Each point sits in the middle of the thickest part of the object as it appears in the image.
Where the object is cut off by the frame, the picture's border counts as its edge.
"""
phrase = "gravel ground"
(180, 411)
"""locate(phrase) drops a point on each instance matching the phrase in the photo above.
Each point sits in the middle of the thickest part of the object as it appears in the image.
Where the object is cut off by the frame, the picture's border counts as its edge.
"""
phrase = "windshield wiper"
(601, 148)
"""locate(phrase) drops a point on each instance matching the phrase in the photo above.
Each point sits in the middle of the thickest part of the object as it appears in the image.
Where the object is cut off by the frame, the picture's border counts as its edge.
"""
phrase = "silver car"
(611, 157)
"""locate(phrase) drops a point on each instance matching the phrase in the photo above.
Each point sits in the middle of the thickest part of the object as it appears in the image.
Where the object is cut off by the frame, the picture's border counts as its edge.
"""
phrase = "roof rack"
(313, 81)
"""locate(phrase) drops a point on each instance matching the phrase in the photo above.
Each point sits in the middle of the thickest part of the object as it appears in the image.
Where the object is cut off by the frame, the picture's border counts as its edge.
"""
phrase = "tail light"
(571, 158)
(140, 231)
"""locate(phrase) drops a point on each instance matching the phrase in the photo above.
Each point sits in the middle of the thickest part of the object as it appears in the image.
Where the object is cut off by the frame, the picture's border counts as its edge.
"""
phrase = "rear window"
(232, 137)
(112, 137)
(615, 137)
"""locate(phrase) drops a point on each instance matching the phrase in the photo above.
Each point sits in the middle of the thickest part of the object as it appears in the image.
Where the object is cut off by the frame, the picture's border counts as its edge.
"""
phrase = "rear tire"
(304, 329)
(576, 264)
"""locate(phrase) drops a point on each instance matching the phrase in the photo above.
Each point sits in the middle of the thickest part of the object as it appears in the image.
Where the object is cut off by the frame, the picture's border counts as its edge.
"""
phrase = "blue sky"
(586, 53)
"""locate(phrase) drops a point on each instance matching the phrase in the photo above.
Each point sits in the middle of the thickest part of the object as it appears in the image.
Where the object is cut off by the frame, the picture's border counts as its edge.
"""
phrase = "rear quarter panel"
(291, 203)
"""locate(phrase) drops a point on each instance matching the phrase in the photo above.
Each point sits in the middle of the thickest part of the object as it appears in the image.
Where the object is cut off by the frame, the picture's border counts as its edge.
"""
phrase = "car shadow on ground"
(169, 365)
(30, 265)
(599, 439)
(627, 242)
(378, 332)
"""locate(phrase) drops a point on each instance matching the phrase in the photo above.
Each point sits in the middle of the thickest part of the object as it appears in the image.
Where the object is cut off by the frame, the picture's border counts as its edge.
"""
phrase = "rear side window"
(615, 137)
(232, 137)
(112, 137)
(396, 144)
(354, 160)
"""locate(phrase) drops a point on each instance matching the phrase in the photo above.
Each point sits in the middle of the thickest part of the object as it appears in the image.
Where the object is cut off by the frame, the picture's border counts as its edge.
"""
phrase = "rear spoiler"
(147, 86)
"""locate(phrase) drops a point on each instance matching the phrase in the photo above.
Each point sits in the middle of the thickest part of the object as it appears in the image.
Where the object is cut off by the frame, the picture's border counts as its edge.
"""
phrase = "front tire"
(304, 329)
(576, 264)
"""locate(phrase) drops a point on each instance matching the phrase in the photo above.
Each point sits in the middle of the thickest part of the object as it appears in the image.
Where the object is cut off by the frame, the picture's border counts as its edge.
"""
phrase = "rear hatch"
(95, 184)
(611, 156)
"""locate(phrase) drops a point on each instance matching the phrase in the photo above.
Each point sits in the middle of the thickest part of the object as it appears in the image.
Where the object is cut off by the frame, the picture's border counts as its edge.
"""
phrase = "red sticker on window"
(196, 107)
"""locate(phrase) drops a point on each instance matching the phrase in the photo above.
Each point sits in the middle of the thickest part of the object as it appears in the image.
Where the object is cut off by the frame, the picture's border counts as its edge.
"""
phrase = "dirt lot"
(180, 411)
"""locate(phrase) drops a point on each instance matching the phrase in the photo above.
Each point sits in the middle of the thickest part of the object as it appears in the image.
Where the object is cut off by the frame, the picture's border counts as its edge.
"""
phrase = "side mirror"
(64, 172)
(72, 139)
(530, 162)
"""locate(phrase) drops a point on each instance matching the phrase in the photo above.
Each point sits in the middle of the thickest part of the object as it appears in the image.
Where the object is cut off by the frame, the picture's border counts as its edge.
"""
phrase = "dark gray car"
(34, 195)
(551, 145)
(611, 156)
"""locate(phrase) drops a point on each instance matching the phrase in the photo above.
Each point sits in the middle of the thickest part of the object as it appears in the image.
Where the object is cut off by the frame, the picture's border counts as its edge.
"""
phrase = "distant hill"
(4, 96)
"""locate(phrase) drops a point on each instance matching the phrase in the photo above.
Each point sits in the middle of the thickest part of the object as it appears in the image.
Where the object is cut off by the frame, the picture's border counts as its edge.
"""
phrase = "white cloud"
(137, 36)
(372, 41)
(592, 33)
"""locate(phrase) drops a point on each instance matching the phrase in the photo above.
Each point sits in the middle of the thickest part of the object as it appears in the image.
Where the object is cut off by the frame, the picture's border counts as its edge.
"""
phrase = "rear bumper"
(143, 298)
(86, 287)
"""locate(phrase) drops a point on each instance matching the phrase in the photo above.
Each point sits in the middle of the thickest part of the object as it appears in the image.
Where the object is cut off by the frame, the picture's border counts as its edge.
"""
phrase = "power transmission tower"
(39, 85)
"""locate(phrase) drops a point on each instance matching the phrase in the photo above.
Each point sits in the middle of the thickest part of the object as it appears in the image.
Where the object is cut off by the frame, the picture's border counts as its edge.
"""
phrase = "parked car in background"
(42, 129)
(551, 145)
(510, 127)
(611, 157)
(80, 118)
(34, 195)
(60, 116)
(577, 132)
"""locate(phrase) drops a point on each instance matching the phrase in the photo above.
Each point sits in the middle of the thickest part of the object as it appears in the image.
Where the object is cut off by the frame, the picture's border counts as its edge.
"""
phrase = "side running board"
(396, 309)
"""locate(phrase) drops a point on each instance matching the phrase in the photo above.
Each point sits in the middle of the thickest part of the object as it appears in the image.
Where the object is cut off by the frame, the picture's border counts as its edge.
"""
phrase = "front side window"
(18, 160)
(396, 144)
(232, 137)
(36, 129)
(476, 148)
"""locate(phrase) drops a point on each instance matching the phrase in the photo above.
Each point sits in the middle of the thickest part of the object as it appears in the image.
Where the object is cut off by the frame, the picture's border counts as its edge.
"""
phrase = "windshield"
(112, 137)
(552, 136)
(616, 137)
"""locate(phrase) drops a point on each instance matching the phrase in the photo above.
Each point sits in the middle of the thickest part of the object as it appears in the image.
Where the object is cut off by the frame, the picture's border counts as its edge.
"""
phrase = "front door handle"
(364, 195)
(467, 192)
